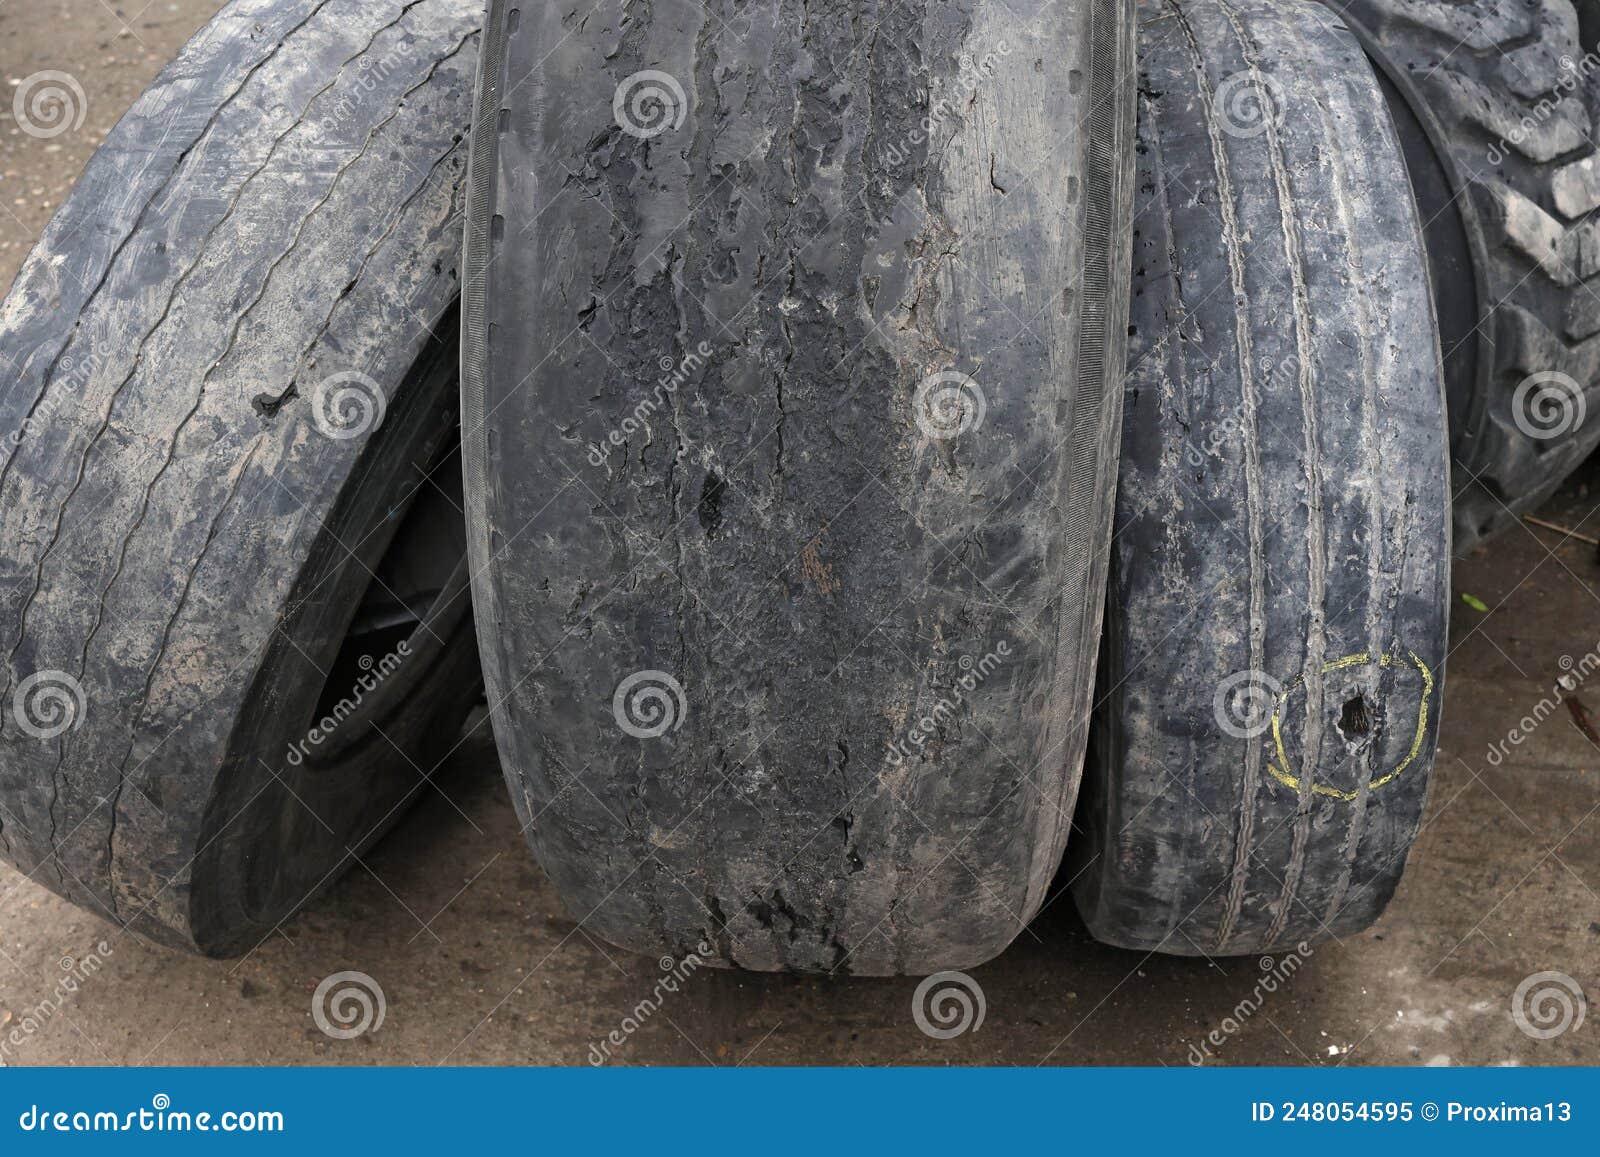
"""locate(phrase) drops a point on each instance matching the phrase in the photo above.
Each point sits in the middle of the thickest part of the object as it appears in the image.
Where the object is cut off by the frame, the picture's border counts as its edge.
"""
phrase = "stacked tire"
(867, 432)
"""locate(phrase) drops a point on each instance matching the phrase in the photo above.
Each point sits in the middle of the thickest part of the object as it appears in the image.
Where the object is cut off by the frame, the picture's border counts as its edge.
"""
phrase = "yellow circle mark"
(1280, 770)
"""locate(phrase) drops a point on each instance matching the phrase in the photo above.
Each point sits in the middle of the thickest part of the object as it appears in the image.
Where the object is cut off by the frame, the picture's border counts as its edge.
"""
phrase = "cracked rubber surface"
(751, 300)
(1508, 171)
(1279, 579)
(181, 541)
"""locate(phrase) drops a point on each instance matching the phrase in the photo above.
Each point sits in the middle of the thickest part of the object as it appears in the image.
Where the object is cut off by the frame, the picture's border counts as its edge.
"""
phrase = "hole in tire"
(1355, 720)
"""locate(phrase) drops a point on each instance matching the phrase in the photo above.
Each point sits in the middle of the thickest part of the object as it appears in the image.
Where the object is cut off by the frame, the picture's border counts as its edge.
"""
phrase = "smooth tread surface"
(873, 644)
(1275, 634)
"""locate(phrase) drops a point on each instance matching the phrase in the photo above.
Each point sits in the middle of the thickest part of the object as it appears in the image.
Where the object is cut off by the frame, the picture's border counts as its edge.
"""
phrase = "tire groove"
(1232, 243)
(1316, 540)
(161, 647)
(1340, 169)
(1157, 163)
(134, 229)
(105, 423)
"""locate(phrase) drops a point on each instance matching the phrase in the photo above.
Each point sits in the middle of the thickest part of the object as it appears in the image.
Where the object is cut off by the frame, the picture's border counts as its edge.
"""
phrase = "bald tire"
(777, 668)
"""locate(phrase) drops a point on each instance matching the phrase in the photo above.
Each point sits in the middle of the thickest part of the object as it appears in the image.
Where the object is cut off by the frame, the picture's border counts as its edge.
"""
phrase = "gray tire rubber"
(791, 342)
(1499, 102)
(229, 365)
(1275, 635)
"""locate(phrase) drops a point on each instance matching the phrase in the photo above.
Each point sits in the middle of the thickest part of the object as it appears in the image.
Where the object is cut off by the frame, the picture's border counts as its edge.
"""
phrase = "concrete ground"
(479, 965)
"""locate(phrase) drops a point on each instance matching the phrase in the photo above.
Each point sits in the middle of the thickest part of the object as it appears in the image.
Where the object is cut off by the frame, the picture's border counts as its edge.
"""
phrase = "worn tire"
(872, 643)
(1275, 635)
(201, 479)
(1501, 140)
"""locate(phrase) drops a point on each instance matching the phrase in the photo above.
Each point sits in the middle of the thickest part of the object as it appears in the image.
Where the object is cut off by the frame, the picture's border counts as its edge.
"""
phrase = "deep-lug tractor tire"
(231, 650)
(1497, 102)
(1276, 625)
(789, 367)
